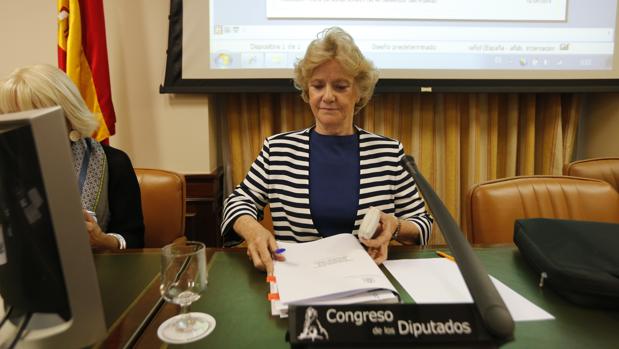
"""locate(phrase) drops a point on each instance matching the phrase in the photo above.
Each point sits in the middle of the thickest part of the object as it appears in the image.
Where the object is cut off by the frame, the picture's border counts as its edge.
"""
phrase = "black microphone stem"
(491, 307)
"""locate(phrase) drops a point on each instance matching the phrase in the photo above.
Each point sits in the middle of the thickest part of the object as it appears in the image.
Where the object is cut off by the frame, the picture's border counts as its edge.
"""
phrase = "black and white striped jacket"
(279, 177)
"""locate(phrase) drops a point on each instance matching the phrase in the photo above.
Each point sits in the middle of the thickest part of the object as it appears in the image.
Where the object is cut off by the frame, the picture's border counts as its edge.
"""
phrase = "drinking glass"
(183, 279)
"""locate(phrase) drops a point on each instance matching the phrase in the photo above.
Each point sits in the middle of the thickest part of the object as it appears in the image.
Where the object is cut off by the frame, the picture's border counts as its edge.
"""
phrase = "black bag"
(577, 259)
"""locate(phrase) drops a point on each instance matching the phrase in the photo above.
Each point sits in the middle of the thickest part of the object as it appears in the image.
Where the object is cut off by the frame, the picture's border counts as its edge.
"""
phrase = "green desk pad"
(236, 298)
(122, 278)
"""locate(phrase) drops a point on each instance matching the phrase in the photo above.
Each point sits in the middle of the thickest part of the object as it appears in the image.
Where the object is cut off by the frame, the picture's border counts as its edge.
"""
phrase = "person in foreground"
(109, 189)
(322, 180)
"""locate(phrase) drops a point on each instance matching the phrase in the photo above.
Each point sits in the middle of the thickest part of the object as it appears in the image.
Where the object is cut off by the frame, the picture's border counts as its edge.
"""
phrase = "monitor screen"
(47, 272)
(29, 256)
(408, 40)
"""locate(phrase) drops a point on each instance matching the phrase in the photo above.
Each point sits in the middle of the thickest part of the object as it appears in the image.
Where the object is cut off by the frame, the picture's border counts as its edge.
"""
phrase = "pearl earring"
(74, 136)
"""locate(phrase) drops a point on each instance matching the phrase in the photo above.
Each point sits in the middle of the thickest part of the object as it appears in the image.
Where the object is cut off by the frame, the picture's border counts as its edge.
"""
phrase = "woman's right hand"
(261, 244)
(98, 239)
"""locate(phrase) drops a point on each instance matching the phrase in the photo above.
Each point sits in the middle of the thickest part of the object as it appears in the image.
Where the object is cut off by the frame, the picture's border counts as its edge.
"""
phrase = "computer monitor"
(46, 264)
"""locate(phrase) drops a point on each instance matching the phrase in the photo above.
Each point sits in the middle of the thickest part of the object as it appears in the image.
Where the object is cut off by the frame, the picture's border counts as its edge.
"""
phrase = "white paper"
(369, 297)
(438, 280)
(333, 270)
(335, 266)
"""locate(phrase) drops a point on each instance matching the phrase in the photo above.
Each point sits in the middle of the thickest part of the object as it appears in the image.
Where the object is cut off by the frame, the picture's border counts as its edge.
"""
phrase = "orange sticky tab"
(273, 296)
(271, 278)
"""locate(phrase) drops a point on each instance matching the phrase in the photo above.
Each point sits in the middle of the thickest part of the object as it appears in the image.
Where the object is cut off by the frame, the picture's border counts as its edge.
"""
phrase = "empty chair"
(494, 206)
(606, 169)
(163, 206)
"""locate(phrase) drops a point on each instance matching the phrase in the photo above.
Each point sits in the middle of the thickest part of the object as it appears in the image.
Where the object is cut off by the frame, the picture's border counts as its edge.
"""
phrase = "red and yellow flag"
(82, 54)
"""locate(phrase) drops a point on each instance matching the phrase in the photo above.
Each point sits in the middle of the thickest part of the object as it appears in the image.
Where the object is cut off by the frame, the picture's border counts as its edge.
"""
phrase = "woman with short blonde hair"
(109, 190)
(324, 180)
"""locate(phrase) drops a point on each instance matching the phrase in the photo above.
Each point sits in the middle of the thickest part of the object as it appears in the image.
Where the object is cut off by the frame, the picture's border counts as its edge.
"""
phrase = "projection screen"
(462, 45)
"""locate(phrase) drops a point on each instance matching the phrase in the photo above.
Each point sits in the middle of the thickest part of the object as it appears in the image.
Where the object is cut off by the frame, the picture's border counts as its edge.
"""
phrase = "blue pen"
(280, 250)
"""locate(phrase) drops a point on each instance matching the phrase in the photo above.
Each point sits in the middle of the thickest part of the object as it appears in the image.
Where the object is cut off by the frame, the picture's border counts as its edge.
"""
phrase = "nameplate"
(381, 325)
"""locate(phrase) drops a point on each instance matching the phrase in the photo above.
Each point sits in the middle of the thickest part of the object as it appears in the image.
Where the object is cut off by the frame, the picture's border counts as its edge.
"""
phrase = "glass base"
(201, 326)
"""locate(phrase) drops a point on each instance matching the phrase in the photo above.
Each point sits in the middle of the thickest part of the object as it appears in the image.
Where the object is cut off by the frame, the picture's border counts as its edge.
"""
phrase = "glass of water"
(183, 279)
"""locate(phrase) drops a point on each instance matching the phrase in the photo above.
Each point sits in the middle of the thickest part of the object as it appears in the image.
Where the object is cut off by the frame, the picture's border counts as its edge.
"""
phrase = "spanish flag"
(82, 54)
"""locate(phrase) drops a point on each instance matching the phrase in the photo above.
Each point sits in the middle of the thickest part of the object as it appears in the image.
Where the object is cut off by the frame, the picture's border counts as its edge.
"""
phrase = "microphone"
(491, 307)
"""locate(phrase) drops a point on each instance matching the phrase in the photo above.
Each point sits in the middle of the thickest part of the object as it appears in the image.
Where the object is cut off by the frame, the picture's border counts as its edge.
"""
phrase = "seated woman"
(322, 180)
(109, 189)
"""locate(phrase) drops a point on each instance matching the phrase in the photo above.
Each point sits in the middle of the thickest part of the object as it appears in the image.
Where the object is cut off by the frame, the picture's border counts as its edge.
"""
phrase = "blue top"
(334, 182)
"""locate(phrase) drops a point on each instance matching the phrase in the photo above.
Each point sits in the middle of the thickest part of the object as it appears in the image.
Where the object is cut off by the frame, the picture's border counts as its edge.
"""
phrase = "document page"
(438, 280)
(326, 269)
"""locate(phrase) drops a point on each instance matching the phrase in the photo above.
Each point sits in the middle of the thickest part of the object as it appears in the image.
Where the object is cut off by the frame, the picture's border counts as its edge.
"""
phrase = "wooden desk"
(236, 297)
(129, 282)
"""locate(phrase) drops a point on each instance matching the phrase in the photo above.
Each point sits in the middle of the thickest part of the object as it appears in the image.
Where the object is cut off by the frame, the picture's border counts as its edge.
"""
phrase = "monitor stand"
(40, 329)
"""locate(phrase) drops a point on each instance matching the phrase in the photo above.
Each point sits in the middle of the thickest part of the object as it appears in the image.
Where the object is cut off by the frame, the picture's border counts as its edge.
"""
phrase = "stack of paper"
(334, 270)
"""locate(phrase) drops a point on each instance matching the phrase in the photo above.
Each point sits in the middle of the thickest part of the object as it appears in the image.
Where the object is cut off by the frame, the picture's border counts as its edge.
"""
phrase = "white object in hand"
(369, 224)
(93, 215)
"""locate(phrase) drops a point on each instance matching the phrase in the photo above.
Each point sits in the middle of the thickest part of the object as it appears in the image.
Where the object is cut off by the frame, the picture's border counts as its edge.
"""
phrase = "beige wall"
(27, 34)
(163, 131)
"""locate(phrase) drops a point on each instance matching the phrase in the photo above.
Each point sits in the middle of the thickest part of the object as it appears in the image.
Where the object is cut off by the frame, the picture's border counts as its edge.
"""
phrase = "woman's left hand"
(378, 245)
(98, 239)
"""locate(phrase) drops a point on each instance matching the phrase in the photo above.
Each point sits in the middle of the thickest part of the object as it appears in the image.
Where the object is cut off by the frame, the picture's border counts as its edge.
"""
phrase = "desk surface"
(236, 297)
(129, 283)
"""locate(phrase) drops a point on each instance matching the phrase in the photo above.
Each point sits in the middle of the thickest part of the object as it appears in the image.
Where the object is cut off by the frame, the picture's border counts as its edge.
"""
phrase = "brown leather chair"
(606, 169)
(163, 206)
(494, 206)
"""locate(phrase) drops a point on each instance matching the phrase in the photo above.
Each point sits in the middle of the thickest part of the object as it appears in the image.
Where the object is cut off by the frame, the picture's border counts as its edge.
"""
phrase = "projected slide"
(402, 36)
(509, 10)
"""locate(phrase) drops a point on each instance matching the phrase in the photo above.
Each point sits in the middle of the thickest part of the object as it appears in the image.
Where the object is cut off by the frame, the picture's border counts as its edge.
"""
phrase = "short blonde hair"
(41, 86)
(336, 44)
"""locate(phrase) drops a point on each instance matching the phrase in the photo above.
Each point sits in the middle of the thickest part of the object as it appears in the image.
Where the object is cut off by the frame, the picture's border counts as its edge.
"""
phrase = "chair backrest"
(606, 169)
(163, 206)
(494, 206)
